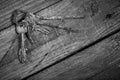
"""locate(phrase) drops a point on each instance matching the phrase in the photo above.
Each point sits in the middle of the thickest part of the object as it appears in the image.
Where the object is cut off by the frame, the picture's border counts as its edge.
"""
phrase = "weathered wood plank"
(92, 28)
(85, 64)
(112, 72)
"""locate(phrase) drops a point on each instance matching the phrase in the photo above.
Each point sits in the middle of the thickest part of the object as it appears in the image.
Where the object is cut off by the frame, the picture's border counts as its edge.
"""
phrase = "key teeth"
(20, 56)
(23, 57)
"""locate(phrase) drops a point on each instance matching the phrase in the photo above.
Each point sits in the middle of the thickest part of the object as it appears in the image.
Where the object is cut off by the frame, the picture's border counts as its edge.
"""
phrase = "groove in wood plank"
(85, 64)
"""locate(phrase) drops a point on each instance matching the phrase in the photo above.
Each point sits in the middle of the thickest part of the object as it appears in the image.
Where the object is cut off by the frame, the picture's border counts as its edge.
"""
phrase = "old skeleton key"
(29, 23)
(21, 27)
(21, 30)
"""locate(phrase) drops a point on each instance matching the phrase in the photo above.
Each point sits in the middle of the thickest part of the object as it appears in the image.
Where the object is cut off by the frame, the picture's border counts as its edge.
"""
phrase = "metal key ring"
(15, 14)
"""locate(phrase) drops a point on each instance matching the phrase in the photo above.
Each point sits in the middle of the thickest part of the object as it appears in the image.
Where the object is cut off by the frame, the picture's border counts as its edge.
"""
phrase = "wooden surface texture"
(81, 54)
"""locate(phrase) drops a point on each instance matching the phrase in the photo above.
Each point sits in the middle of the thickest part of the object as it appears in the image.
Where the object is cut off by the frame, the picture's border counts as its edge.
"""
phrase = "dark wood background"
(92, 53)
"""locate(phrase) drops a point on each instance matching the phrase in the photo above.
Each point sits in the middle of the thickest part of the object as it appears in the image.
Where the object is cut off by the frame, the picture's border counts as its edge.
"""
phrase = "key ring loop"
(16, 14)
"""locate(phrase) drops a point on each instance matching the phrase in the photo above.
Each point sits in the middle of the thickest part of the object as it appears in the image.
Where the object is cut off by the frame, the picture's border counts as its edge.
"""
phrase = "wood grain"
(85, 64)
(28, 5)
(94, 28)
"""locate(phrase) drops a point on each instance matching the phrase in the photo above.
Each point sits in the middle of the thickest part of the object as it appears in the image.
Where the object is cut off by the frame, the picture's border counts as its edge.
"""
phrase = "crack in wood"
(39, 63)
